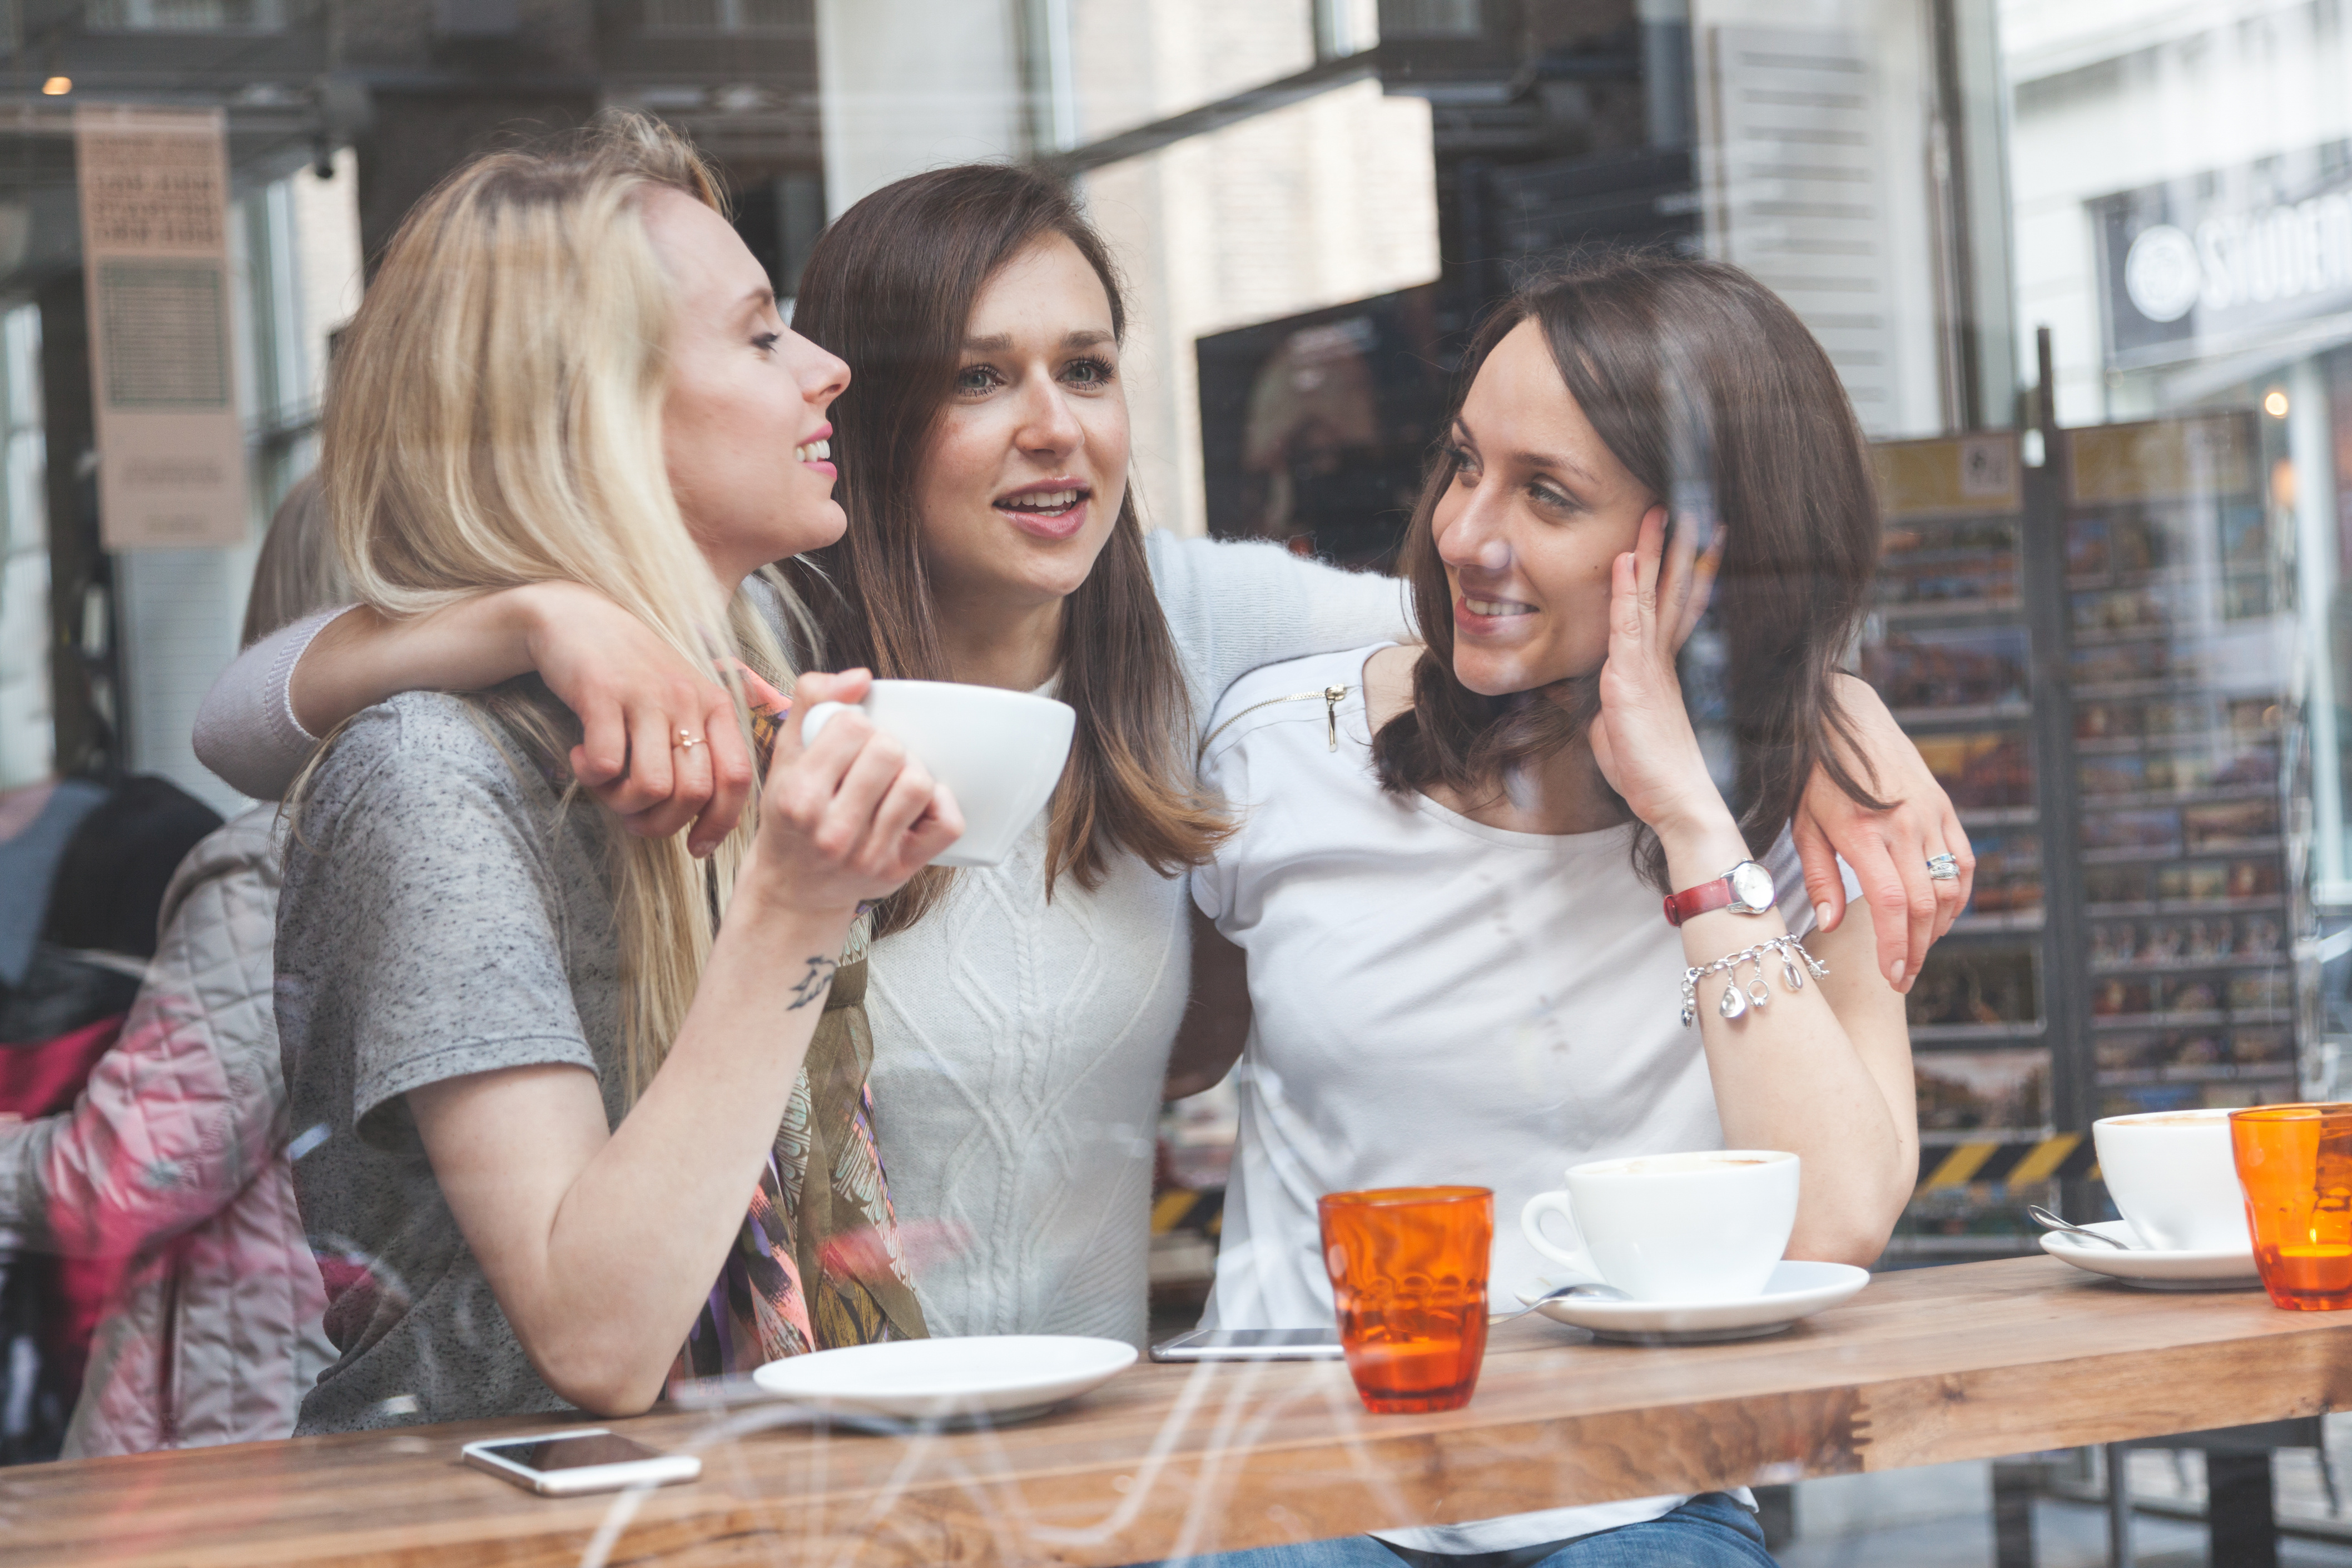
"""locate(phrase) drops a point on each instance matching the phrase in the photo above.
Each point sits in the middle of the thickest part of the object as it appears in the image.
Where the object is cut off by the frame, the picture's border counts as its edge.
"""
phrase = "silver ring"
(1943, 869)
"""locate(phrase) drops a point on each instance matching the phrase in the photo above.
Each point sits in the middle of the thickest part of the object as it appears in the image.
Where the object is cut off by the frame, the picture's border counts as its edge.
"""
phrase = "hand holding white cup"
(998, 753)
(1699, 1227)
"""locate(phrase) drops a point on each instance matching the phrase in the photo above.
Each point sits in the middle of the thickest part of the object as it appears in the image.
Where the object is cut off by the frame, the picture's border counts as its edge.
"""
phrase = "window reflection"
(2085, 275)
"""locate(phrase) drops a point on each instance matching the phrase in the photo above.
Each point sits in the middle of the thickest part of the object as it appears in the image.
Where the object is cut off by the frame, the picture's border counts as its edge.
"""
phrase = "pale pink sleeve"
(245, 732)
(186, 1106)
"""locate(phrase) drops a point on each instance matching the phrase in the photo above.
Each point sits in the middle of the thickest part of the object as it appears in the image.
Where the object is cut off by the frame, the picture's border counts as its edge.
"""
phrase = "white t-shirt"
(1435, 1001)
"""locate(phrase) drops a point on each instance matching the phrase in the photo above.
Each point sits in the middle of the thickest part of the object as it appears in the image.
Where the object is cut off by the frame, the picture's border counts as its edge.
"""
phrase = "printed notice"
(154, 211)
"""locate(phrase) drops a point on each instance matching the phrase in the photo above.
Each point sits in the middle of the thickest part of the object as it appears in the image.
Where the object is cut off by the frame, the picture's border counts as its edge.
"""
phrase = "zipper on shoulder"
(1331, 697)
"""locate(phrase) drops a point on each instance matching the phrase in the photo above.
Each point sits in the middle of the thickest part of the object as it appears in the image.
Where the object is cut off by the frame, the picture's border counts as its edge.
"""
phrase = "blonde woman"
(541, 1080)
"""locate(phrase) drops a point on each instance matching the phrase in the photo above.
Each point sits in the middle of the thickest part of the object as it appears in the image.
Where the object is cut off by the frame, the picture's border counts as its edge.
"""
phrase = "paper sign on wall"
(154, 224)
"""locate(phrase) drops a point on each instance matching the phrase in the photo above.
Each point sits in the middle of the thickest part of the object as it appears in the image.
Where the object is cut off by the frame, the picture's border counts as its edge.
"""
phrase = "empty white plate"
(1000, 1376)
(2149, 1268)
(1795, 1291)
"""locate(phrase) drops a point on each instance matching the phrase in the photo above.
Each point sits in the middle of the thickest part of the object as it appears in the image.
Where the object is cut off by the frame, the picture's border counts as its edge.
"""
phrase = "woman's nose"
(1048, 424)
(1469, 543)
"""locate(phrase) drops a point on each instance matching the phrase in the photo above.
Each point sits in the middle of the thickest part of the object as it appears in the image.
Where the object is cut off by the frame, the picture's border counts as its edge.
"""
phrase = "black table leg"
(2240, 1509)
(2014, 1483)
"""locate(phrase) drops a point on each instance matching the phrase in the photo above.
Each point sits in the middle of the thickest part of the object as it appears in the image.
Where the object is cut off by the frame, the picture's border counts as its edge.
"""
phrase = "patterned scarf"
(818, 1263)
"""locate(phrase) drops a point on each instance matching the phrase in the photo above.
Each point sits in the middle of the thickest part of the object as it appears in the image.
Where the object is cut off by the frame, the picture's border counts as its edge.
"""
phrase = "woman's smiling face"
(1538, 509)
(744, 430)
(1027, 467)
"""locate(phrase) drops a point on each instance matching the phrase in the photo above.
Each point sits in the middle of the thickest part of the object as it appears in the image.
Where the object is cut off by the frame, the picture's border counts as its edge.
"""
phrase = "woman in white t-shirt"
(1448, 871)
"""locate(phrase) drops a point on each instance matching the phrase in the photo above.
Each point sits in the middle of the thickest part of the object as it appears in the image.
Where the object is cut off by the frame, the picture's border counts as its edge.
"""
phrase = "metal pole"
(2119, 1514)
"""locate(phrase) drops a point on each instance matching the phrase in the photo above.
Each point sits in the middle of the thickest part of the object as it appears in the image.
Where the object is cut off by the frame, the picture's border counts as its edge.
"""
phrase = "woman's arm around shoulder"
(634, 696)
(1235, 605)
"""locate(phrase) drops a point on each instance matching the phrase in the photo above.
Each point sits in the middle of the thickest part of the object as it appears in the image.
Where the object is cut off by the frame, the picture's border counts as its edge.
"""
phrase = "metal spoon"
(1590, 1290)
(2048, 1221)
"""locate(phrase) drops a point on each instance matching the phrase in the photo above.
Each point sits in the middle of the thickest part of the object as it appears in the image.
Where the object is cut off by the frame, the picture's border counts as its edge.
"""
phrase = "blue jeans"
(1710, 1531)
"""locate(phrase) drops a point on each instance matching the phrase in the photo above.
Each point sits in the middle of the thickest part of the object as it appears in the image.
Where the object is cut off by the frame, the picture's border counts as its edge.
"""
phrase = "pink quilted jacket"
(174, 1157)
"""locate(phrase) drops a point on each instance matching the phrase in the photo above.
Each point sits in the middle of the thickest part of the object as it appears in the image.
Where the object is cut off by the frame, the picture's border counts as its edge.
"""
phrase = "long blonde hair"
(496, 419)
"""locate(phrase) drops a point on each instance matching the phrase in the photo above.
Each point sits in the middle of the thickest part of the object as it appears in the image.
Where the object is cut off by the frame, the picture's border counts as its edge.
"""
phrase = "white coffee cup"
(999, 753)
(1674, 1228)
(2174, 1177)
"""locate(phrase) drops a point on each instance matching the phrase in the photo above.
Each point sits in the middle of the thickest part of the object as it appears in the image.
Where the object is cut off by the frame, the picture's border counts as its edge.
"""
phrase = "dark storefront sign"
(2208, 263)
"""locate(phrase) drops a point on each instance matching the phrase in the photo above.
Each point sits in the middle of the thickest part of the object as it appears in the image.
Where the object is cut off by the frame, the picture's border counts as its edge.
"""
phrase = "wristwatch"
(1745, 890)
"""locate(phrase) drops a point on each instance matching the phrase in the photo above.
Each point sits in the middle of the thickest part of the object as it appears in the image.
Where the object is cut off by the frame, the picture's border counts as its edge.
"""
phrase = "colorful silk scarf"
(818, 1263)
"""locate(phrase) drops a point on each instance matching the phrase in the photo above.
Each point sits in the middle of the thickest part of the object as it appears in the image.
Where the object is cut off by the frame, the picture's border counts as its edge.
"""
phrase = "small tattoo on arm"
(811, 985)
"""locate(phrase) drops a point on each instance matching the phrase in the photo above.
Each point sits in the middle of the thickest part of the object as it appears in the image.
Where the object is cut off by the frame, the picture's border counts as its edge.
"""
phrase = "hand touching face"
(1027, 465)
(1538, 510)
(743, 426)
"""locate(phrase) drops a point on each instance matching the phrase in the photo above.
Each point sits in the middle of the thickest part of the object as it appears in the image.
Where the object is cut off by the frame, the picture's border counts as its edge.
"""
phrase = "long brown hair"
(298, 573)
(889, 287)
(1715, 397)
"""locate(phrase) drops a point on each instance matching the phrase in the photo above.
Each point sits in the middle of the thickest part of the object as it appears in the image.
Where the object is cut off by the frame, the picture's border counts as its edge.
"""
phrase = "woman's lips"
(1480, 617)
(816, 453)
(1059, 524)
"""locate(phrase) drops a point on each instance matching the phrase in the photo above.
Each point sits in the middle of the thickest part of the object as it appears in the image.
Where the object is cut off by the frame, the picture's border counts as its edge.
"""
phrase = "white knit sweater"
(1018, 1044)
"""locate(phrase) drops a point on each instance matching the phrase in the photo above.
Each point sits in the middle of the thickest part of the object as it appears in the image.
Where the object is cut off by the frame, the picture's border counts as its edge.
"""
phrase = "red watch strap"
(1698, 901)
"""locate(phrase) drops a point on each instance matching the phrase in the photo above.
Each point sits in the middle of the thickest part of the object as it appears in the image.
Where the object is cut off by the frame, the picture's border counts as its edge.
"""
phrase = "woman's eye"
(976, 378)
(766, 341)
(1550, 496)
(1088, 371)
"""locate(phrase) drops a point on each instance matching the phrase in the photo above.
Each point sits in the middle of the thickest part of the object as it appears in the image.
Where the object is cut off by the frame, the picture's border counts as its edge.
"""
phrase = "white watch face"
(1751, 887)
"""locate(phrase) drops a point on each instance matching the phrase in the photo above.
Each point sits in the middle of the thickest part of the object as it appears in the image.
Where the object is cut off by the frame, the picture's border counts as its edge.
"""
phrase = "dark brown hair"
(889, 287)
(1715, 398)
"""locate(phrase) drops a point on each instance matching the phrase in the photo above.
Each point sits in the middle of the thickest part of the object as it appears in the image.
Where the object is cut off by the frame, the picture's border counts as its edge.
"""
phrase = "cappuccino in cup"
(2174, 1177)
(1696, 1228)
(998, 753)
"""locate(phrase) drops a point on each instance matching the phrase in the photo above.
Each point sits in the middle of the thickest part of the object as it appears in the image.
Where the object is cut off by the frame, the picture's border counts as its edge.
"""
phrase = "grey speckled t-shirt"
(441, 916)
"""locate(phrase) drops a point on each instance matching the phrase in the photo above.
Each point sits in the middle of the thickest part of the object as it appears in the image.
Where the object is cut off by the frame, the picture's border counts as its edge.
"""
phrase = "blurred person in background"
(1022, 1014)
(170, 1165)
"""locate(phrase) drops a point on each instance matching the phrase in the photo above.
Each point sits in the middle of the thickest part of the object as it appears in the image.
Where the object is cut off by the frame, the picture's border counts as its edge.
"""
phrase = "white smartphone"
(593, 1459)
(1252, 1344)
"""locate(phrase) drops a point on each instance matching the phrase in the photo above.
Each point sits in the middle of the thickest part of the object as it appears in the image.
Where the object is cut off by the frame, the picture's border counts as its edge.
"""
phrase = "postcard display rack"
(2091, 657)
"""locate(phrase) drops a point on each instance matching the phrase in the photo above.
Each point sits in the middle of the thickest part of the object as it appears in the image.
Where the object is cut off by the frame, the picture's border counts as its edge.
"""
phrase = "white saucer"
(1004, 1377)
(1795, 1291)
(2150, 1270)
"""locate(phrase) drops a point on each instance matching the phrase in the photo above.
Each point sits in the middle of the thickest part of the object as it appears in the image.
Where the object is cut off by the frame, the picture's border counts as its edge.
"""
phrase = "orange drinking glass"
(1408, 1270)
(2294, 1163)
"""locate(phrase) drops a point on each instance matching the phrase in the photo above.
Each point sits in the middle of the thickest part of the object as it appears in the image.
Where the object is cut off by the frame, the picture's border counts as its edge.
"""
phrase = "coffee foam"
(1676, 1164)
(2172, 1119)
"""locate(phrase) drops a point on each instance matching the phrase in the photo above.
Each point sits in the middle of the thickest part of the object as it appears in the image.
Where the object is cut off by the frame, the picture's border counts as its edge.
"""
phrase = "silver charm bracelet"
(1737, 998)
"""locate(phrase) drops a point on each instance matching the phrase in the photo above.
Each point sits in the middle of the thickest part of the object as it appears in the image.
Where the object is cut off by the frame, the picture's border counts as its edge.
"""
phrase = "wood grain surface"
(1923, 1366)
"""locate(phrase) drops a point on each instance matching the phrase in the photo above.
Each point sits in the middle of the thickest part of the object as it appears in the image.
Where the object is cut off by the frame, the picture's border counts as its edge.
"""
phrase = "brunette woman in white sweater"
(1023, 1014)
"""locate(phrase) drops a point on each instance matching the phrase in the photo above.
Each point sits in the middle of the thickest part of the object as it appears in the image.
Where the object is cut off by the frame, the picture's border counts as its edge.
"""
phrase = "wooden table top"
(1923, 1366)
